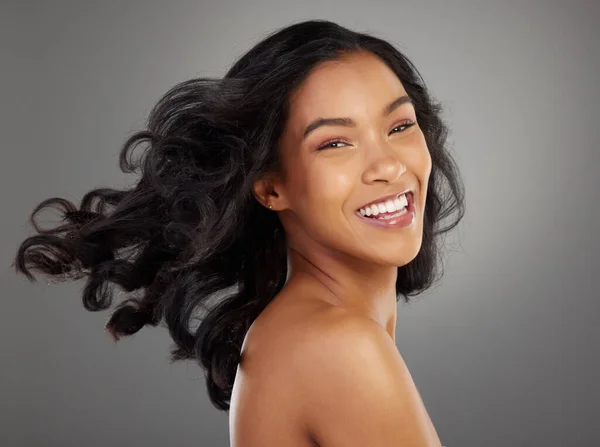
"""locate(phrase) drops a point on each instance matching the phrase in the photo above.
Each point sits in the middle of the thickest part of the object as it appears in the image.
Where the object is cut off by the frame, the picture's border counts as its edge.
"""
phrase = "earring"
(270, 207)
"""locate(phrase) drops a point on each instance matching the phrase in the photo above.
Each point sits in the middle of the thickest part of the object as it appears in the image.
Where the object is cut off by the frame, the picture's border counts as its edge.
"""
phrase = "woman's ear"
(267, 190)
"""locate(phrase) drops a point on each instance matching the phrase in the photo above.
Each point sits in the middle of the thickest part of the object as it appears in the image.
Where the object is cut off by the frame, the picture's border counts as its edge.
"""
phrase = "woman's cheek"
(329, 183)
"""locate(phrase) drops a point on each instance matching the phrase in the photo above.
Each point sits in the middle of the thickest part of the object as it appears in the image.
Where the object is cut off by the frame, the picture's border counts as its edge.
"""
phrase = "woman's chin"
(399, 256)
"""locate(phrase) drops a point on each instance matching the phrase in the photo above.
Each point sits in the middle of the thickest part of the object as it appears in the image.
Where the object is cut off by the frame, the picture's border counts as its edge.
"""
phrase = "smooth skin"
(320, 365)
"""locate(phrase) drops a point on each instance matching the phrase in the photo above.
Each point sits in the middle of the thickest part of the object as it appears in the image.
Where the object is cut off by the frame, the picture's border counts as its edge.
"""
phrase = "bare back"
(269, 407)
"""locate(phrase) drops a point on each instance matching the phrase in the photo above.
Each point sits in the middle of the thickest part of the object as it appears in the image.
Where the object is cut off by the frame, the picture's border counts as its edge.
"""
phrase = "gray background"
(504, 350)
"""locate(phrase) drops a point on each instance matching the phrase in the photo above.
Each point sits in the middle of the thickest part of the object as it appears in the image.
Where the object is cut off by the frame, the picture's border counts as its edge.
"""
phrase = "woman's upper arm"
(357, 391)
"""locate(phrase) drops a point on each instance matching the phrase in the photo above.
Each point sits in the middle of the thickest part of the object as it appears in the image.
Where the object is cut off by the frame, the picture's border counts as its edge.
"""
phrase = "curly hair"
(190, 228)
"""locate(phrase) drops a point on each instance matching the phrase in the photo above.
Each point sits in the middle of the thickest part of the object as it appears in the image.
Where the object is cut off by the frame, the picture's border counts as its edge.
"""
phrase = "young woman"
(288, 206)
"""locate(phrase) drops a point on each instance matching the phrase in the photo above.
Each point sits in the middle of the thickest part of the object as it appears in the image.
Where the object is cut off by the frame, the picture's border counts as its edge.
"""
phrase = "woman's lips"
(386, 198)
(409, 199)
(404, 220)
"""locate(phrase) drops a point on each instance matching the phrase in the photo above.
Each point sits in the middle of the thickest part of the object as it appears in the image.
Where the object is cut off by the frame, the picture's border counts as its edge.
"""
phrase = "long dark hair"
(189, 242)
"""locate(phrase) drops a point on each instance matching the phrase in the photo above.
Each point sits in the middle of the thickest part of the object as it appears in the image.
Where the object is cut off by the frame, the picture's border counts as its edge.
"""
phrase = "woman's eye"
(330, 144)
(403, 126)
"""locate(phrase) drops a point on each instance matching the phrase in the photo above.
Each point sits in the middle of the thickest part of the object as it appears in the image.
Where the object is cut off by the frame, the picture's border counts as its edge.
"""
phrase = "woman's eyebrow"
(348, 122)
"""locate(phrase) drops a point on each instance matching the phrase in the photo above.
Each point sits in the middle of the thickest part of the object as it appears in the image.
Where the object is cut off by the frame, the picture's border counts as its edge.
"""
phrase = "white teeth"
(392, 216)
(385, 207)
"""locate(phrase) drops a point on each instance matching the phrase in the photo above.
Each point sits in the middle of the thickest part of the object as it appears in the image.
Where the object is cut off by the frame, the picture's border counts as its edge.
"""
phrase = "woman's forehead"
(355, 84)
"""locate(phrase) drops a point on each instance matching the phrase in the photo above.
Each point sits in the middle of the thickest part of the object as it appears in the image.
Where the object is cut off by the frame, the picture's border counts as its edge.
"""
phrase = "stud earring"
(270, 207)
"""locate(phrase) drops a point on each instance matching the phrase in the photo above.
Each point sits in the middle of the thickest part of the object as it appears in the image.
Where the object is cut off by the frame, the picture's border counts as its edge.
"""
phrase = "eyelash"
(406, 124)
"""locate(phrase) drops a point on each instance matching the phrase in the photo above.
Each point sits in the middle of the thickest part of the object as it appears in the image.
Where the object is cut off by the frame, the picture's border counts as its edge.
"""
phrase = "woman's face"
(332, 171)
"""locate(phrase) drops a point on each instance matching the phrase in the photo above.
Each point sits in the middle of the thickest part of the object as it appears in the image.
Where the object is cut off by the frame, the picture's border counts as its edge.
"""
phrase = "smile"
(392, 213)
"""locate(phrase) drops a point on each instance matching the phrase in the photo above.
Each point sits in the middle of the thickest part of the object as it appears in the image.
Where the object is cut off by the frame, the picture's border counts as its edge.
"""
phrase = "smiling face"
(332, 168)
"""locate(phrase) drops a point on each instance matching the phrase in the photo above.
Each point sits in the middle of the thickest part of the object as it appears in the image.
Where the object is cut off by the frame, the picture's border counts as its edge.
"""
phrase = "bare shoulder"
(355, 387)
